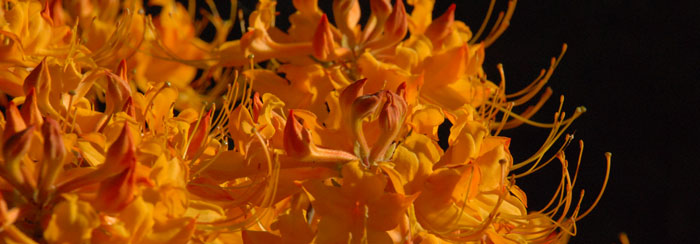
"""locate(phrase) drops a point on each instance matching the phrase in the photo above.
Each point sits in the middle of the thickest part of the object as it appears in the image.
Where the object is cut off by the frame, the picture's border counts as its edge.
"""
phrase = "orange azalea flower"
(322, 133)
(359, 210)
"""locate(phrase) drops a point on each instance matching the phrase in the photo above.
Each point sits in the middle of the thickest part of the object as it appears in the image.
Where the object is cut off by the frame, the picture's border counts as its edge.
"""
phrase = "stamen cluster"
(119, 126)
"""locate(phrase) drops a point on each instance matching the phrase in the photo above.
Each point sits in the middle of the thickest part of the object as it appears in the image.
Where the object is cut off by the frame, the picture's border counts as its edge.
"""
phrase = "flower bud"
(13, 151)
(350, 93)
(118, 90)
(14, 122)
(347, 15)
(395, 28)
(30, 110)
(362, 107)
(323, 42)
(54, 152)
(391, 119)
(40, 80)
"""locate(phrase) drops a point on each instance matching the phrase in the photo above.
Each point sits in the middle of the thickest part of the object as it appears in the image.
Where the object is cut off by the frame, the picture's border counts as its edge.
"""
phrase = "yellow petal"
(427, 120)
(72, 221)
(360, 184)
(138, 219)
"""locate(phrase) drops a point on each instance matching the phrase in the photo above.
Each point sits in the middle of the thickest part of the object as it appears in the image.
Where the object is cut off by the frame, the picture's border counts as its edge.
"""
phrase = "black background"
(633, 64)
(629, 63)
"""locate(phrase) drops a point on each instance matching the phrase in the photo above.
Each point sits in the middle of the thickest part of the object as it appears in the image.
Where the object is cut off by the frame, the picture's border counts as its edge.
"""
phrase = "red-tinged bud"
(350, 93)
(118, 90)
(395, 28)
(120, 156)
(362, 107)
(323, 43)
(46, 13)
(298, 143)
(397, 24)
(117, 192)
(380, 8)
(54, 153)
(57, 14)
(14, 122)
(296, 138)
(129, 107)
(121, 70)
(30, 110)
(40, 80)
(442, 26)
(14, 149)
(201, 133)
(257, 106)
(391, 119)
(393, 112)
(120, 152)
(401, 90)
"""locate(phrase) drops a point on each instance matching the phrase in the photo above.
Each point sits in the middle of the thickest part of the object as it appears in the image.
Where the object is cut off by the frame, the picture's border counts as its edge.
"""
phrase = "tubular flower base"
(120, 126)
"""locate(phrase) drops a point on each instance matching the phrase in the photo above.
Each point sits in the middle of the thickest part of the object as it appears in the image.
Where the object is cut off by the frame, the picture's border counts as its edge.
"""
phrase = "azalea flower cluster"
(125, 127)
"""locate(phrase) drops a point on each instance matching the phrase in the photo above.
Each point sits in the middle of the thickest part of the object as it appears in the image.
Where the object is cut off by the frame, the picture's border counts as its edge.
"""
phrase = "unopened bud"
(14, 149)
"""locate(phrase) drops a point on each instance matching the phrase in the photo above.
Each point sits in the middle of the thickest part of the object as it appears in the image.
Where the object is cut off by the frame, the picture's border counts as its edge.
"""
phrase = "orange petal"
(120, 157)
(298, 143)
(115, 193)
(421, 16)
(441, 27)
(178, 230)
(257, 106)
(260, 237)
(293, 227)
(200, 136)
(388, 211)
